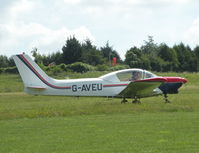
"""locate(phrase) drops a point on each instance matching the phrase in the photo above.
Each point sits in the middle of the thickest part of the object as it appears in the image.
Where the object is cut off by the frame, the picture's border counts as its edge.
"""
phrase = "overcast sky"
(46, 24)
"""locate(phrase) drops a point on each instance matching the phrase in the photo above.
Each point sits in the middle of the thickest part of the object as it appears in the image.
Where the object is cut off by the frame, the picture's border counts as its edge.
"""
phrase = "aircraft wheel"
(166, 98)
(167, 101)
(124, 101)
(136, 101)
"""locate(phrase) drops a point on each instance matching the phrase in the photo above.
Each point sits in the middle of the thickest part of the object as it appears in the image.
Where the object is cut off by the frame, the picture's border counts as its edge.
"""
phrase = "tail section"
(32, 75)
(35, 80)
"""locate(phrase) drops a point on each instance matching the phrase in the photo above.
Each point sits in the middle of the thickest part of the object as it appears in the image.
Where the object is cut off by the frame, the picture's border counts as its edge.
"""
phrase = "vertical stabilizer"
(31, 74)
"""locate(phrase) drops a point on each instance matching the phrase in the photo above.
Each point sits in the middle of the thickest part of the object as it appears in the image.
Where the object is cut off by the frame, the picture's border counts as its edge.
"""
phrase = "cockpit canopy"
(128, 75)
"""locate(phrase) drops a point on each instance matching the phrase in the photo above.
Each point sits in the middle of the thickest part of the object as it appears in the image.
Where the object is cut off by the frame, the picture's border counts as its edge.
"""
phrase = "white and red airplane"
(128, 83)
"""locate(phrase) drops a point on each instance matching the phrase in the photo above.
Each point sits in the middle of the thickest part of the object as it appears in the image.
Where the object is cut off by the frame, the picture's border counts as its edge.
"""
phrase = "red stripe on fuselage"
(114, 85)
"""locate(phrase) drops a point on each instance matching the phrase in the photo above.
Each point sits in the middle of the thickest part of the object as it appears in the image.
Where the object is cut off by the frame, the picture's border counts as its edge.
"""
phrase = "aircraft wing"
(142, 88)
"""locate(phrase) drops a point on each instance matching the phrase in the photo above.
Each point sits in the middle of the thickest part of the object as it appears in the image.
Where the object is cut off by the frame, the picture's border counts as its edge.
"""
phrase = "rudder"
(31, 74)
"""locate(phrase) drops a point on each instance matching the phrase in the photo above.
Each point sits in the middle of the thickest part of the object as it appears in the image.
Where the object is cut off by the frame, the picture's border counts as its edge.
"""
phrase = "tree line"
(162, 58)
(74, 51)
(150, 56)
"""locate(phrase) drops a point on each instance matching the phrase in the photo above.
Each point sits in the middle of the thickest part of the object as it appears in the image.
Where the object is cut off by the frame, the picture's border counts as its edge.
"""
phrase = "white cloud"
(18, 34)
(191, 36)
(56, 38)
(120, 8)
(72, 1)
(27, 36)
(19, 7)
(47, 24)
(126, 3)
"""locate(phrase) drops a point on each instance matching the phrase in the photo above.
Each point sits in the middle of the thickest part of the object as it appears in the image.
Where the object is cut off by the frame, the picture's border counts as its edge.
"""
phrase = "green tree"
(11, 62)
(115, 54)
(157, 63)
(169, 55)
(108, 53)
(72, 51)
(133, 57)
(150, 51)
(56, 58)
(150, 47)
(4, 62)
(90, 54)
(186, 57)
(38, 57)
(146, 63)
(196, 51)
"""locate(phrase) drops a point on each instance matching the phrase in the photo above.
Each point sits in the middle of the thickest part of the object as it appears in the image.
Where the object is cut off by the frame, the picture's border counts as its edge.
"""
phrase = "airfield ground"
(56, 124)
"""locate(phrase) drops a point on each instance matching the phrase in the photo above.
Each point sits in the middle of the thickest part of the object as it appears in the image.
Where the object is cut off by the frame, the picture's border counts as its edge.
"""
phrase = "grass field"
(56, 124)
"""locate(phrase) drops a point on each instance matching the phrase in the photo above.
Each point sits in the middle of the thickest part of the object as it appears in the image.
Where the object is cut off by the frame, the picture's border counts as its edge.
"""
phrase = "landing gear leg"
(136, 101)
(166, 98)
(124, 100)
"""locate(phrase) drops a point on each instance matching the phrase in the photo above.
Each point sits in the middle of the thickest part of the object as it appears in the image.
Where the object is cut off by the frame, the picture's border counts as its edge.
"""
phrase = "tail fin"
(35, 79)
(32, 75)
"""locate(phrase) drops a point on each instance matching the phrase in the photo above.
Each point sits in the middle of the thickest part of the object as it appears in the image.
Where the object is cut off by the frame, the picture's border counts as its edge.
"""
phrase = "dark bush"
(12, 70)
(102, 67)
(80, 67)
(118, 67)
(1, 70)
(53, 69)
(62, 66)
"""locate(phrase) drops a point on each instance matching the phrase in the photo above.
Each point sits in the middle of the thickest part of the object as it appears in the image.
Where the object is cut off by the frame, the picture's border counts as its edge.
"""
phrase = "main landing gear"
(134, 101)
(124, 100)
(166, 98)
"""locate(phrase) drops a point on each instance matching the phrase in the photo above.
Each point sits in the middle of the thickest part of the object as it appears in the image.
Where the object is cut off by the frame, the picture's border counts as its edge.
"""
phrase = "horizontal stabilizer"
(36, 87)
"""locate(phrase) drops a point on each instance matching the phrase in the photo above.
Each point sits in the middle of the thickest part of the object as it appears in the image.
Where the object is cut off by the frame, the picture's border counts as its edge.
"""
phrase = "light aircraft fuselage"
(128, 83)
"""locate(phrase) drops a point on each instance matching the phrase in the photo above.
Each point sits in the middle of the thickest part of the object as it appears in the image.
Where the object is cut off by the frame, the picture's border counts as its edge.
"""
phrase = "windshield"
(148, 75)
(134, 75)
(130, 75)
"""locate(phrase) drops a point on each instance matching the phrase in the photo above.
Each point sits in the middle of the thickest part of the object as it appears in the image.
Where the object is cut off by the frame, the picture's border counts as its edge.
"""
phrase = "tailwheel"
(136, 101)
(166, 98)
(124, 100)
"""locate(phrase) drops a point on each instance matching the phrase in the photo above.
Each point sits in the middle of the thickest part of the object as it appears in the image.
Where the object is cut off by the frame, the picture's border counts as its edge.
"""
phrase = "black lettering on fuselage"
(94, 87)
(74, 88)
(99, 86)
(87, 87)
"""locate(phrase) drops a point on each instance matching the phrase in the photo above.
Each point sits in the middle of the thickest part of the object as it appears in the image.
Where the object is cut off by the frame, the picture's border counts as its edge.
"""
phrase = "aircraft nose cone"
(184, 80)
(175, 79)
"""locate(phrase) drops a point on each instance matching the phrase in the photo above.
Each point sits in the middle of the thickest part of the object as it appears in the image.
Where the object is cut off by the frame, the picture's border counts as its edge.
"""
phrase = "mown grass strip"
(161, 132)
